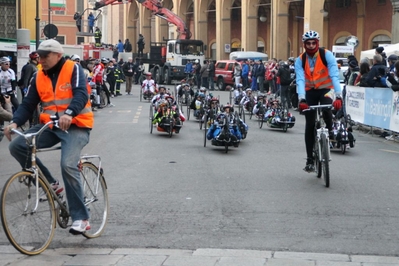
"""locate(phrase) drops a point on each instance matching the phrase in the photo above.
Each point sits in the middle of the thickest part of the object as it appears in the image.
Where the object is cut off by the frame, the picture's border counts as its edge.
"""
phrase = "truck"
(166, 60)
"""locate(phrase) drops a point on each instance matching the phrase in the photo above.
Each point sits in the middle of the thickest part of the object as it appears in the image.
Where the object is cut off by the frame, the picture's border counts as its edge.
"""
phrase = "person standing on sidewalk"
(211, 75)
(128, 71)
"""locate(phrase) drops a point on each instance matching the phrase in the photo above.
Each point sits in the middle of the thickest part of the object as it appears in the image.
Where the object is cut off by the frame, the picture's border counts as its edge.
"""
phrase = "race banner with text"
(377, 107)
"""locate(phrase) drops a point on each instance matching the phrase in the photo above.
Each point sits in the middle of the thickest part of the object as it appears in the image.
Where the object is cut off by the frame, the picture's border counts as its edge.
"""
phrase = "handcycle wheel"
(242, 114)
(171, 126)
(201, 121)
(95, 198)
(29, 232)
(325, 161)
(250, 107)
(261, 117)
(343, 148)
(103, 98)
(188, 111)
(151, 117)
(205, 131)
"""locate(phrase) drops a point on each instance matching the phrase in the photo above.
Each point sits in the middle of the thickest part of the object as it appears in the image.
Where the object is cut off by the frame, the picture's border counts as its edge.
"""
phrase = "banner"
(377, 107)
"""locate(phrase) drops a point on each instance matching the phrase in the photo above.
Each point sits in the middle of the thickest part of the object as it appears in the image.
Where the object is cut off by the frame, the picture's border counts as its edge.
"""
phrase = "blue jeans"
(72, 144)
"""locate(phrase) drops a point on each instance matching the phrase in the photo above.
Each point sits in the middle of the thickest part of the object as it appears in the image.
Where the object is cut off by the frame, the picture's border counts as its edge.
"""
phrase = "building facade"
(271, 26)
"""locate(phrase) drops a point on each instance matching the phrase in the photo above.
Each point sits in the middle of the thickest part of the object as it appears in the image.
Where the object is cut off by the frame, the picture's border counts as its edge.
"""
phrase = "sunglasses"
(6, 64)
(310, 43)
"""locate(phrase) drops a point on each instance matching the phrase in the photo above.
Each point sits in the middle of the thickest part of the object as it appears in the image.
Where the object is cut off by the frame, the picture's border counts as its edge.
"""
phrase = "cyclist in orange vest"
(60, 87)
(317, 79)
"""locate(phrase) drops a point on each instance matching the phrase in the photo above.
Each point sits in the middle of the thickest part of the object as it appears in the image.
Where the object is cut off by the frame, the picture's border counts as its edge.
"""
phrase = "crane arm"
(155, 6)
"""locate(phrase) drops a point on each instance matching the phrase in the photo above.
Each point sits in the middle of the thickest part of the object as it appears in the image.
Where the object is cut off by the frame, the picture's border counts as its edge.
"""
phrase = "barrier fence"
(375, 107)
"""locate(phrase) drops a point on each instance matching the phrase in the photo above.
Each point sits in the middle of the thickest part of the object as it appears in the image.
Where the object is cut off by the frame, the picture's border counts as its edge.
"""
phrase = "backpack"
(322, 53)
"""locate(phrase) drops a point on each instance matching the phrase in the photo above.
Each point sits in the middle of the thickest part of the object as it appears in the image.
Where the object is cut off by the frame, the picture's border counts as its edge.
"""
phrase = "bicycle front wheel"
(96, 199)
(29, 231)
(325, 159)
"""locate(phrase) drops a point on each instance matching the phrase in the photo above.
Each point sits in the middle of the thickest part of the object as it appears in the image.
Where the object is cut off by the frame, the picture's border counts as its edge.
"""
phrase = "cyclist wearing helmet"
(181, 88)
(27, 72)
(159, 96)
(215, 132)
(316, 83)
(246, 99)
(238, 93)
(148, 86)
(168, 104)
(8, 81)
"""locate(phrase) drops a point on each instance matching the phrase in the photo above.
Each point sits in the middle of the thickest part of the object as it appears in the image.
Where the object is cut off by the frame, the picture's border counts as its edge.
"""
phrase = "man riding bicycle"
(317, 79)
(60, 86)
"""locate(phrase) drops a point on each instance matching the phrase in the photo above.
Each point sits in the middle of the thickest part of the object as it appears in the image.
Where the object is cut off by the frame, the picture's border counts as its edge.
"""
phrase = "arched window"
(381, 39)
(340, 41)
(261, 46)
(213, 51)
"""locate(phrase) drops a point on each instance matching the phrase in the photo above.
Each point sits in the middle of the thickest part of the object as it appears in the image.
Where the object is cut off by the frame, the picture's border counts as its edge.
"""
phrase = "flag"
(57, 5)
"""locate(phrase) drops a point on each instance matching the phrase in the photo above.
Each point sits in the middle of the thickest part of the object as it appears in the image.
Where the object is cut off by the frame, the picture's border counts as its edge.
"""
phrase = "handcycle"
(146, 95)
(170, 116)
(321, 147)
(279, 117)
(226, 132)
(30, 208)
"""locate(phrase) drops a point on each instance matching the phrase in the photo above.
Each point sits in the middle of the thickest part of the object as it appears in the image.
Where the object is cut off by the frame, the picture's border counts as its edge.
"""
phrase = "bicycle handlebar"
(315, 107)
(54, 121)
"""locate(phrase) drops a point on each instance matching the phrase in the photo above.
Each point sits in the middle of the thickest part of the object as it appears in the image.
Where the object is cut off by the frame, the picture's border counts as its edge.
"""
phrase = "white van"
(244, 55)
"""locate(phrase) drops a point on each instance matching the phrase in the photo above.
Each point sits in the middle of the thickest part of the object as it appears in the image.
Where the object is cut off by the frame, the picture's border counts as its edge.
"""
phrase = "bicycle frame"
(320, 128)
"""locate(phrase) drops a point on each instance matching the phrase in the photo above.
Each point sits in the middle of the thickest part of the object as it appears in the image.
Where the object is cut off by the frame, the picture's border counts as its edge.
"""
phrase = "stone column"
(223, 28)
(249, 26)
(145, 25)
(279, 39)
(313, 18)
(395, 21)
(201, 23)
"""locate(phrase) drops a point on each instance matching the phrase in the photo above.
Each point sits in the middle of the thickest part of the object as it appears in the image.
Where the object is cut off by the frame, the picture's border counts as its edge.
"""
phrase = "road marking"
(390, 151)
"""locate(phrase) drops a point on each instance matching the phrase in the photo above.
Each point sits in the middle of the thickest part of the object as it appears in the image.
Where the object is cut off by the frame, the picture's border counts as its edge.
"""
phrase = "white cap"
(49, 46)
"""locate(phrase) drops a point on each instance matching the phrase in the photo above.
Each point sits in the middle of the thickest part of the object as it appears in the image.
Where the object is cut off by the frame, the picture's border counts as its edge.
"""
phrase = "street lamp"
(37, 19)
(263, 18)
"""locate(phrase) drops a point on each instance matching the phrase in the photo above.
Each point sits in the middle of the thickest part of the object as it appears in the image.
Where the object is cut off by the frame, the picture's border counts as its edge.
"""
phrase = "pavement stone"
(174, 257)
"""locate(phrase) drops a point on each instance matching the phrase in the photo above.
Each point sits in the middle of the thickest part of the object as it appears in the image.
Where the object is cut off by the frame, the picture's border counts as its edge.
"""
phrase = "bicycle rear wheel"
(325, 160)
(96, 198)
(29, 232)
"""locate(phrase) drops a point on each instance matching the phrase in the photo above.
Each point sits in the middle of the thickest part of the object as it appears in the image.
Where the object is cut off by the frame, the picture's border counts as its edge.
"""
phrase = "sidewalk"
(199, 257)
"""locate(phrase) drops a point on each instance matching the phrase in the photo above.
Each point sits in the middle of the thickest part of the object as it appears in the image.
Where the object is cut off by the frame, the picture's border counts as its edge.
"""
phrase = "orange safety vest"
(320, 78)
(57, 101)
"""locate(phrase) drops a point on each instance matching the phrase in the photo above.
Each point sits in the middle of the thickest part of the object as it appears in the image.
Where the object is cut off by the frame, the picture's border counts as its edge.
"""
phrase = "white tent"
(389, 49)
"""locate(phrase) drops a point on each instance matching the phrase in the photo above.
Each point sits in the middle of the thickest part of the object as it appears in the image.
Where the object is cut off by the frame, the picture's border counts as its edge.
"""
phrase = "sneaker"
(309, 166)
(111, 105)
(127, 93)
(56, 187)
(112, 96)
(79, 226)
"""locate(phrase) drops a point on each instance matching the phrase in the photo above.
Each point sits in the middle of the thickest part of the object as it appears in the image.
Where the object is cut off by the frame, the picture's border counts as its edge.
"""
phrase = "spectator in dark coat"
(376, 76)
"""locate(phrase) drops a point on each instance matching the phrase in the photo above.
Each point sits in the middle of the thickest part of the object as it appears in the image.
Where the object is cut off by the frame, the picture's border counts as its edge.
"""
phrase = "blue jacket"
(32, 99)
(245, 70)
(188, 68)
(91, 19)
(120, 47)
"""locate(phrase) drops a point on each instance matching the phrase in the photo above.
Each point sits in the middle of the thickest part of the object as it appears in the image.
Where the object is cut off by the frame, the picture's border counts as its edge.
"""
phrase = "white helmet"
(310, 35)
(4, 59)
(196, 61)
(75, 57)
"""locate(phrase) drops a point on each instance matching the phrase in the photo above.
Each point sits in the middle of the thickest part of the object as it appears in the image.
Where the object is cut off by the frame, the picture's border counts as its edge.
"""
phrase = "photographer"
(8, 81)
(5, 112)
